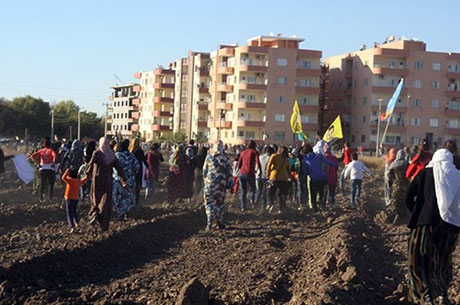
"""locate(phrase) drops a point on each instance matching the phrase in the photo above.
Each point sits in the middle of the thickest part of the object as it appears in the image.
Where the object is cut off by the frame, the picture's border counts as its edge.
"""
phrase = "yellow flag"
(296, 122)
(334, 131)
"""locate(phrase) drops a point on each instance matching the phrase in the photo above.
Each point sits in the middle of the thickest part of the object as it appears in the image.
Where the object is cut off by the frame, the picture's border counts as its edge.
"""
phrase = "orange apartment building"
(156, 102)
(192, 97)
(429, 104)
(253, 89)
(125, 112)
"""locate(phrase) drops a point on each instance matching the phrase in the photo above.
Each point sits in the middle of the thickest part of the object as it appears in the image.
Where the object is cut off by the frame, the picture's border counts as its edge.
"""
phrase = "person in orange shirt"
(71, 196)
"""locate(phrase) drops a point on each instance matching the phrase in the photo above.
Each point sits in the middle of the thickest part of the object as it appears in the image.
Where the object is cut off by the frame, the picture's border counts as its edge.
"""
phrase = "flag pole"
(378, 128)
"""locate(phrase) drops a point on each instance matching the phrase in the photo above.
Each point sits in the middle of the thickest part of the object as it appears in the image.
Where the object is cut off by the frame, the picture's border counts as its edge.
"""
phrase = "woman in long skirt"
(100, 170)
(389, 158)
(434, 200)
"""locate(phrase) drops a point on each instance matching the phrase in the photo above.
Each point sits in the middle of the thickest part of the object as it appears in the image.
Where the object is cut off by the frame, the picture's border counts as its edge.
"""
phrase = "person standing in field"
(347, 152)
(389, 158)
(247, 163)
(73, 184)
(355, 170)
(398, 185)
(152, 173)
(136, 149)
(100, 170)
(420, 160)
(45, 159)
(434, 200)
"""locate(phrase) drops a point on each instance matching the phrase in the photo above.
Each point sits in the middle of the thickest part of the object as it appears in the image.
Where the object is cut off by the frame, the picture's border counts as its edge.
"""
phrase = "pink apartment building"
(429, 104)
(253, 89)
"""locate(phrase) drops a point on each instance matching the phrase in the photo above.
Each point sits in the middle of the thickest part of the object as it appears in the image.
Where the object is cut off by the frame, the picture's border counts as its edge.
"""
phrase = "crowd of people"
(421, 188)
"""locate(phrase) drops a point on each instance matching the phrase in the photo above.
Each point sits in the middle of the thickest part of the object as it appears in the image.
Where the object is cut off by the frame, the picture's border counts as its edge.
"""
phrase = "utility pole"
(78, 125)
(26, 140)
(408, 121)
(52, 124)
(70, 132)
(378, 128)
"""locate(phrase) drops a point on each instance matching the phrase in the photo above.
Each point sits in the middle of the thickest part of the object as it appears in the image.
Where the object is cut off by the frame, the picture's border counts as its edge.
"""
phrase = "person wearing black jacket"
(136, 149)
(432, 240)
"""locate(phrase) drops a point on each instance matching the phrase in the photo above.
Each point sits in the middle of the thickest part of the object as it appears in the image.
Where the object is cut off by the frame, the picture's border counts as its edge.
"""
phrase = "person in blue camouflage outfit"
(217, 173)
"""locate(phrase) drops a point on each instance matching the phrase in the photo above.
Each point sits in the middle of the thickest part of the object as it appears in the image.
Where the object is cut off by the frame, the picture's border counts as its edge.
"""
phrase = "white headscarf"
(104, 147)
(447, 186)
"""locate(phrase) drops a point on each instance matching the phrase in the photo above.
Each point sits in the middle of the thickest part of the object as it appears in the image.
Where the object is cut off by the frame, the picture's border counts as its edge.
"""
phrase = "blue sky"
(71, 49)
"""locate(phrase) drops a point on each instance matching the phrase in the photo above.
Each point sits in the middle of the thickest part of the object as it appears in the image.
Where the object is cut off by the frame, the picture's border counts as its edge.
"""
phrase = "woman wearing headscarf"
(420, 161)
(100, 170)
(136, 149)
(434, 200)
(124, 196)
(389, 158)
(217, 173)
(176, 178)
(398, 185)
(73, 158)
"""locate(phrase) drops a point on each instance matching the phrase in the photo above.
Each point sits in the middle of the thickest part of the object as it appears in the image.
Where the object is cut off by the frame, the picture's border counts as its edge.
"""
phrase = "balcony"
(224, 87)
(254, 49)
(391, 52)
(250, 123)
(221, 105)
(453, 74)
(248, 67)
(452, 131)
(309, 108)
(225, 70)
(137, 75)
(228, 51)
(162, 71)
(136, 88)
(251, 105)
(203, 90)
(202, 124)
(136, 101)
(163, 85)
(377, 69)
(453, 91)
(387, 90)
(157, 127)
(307, 90)
(134, 127)
(308, 72)
(135, 115)
(204, 72)
(203, 106)
(398, 108)
(453, 112)
(159, 99)
(157, 113)
(219, 124)
(252, 86)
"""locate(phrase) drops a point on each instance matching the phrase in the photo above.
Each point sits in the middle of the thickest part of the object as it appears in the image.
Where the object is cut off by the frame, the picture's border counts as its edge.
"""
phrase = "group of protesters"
(420, 187)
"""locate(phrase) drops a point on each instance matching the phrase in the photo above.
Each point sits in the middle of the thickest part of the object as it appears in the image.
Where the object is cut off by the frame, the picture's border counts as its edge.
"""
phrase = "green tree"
(65, 115)
(32, 113)
(178, 137)
(201, 138)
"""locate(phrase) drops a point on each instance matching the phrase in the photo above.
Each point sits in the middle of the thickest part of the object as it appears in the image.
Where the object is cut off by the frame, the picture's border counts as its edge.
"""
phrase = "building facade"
(156, 103)
(362, 82)
(253, 89)
(125, 112)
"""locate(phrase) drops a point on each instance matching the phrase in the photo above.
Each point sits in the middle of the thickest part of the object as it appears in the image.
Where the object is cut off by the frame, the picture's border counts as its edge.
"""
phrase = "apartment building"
(362, 82)
(253, 89)
(192, 95)
(125, 113)
(156, 102)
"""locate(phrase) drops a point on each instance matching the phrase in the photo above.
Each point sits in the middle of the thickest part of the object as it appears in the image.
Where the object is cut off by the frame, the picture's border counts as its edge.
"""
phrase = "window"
(281, 80)
(363, 138)
(305, 65)
(241, 133)
(364, 119)
(454, 105)
(365, 82)
(434, 122)
(281, 99)
(304, 83)
(434, 104)
(279, 117)
(417, 84)
(414, 140)
(305, 101)
(436, 85)
(453, 124)
(418, 65)
(415, 121)
(304, 119)
(436, 66)
(417, 103)
(279, 136)
(282, 62)
(250, 134)
(392, 139)
(364, 100)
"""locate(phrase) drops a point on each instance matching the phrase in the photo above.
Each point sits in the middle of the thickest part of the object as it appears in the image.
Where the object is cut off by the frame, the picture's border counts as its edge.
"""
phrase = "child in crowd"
(84, 190)
(235, 174)
(355, 170)
(74, 183)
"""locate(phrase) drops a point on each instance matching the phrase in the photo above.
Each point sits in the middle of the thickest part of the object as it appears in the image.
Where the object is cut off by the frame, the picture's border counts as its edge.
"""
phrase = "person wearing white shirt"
(355, 170)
